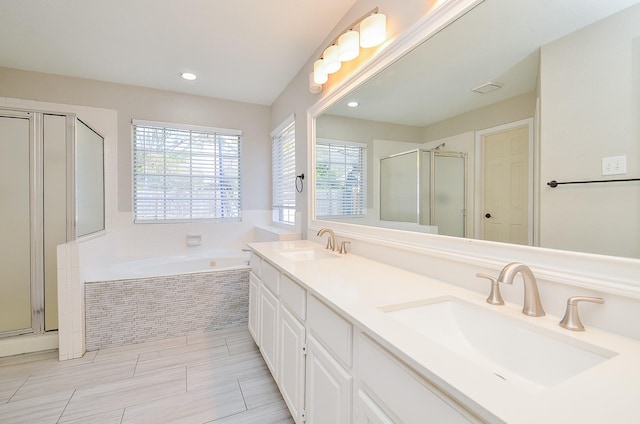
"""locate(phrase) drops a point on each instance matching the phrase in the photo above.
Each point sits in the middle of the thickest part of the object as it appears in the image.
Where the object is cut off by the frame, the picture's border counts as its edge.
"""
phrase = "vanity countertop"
(358, 287)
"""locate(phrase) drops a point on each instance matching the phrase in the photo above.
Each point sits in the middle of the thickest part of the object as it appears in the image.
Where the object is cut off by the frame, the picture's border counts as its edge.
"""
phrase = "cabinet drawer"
(255, 261)
(270, 277)
(405, 394)
(335, 333)
(293, 296)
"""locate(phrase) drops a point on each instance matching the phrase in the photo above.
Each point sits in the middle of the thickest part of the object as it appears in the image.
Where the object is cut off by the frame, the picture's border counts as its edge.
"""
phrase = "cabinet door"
(368, 412)
(269, 329)
(404, 394)
(254, 307)
(291, 354)
(328, 387)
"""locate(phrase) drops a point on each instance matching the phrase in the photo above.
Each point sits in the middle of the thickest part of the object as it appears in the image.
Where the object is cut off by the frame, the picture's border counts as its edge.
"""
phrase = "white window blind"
(340, 179)
(185, 173)
(283, 159)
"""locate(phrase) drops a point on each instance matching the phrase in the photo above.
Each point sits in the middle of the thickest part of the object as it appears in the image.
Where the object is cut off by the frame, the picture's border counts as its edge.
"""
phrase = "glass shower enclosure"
(51, 191)
(427, 187)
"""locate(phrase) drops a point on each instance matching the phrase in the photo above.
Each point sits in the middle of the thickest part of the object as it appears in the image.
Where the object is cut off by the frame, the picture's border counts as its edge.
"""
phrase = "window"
(185, 173)
(340, 179)
(283, 159)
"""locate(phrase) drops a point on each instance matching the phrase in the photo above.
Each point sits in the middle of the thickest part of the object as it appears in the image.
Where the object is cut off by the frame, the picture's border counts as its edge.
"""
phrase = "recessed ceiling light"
(188, 76)
(353, 104)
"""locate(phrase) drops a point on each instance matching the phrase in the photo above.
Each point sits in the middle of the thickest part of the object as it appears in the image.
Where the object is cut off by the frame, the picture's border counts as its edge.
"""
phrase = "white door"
(269, 329)
(15, 250)
(506, 185)
(292, 355)
(254, 307)
(328, 387)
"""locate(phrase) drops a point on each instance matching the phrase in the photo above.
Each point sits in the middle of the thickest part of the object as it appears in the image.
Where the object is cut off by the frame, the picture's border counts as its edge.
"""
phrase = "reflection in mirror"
(89, 180)
(426, 187)
(529, 92)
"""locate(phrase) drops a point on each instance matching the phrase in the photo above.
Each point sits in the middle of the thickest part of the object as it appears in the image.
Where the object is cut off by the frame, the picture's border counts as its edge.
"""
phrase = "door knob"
(487, 215)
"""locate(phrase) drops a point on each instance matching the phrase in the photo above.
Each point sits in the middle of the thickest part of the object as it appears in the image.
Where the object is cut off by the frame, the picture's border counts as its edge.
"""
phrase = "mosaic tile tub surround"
(123, 312)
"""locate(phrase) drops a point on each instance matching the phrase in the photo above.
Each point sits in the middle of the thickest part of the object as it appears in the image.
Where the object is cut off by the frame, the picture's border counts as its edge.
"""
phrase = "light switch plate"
(615, 165)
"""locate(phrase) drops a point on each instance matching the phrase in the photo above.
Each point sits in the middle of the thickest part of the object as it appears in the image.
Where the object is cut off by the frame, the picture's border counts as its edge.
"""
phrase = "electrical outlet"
(615, 165)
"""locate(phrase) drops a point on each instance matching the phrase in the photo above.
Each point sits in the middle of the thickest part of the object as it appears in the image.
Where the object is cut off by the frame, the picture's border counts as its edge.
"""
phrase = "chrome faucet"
(532, 305)
(331, 241)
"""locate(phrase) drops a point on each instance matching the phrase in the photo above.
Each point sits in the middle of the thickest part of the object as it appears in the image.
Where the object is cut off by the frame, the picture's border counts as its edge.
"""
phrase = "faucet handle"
(343, 246)
(571, 320)
(494, 297)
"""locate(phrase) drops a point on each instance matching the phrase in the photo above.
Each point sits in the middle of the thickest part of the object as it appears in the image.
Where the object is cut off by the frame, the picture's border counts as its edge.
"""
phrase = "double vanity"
(348, 339)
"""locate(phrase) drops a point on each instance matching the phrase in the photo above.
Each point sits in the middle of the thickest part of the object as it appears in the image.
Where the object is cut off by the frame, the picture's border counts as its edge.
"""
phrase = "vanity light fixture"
(188, 76)
(349, 45)
(346, 47)
(353, 103)
(331, 57)
(373, 30)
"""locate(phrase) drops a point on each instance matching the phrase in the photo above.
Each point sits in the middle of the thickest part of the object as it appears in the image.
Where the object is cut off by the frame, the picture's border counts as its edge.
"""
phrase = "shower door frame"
(36, 205)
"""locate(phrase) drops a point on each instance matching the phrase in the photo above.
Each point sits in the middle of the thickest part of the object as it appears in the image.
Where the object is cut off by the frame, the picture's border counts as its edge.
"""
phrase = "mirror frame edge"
(610, 274)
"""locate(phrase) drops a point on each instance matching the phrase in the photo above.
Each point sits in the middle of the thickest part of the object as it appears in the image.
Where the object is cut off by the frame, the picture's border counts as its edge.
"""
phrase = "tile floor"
(216, 378)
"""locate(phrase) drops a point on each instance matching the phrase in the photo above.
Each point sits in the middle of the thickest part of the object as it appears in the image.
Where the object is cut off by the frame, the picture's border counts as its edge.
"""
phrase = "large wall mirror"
(513, 94)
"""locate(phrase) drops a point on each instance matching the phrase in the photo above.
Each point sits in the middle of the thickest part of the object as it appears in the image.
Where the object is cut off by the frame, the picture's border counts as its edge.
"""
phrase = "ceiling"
(497, 41)
(243, 50)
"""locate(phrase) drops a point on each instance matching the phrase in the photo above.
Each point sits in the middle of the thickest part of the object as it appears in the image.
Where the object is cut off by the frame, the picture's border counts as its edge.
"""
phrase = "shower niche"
(52, 190)
(427, 187)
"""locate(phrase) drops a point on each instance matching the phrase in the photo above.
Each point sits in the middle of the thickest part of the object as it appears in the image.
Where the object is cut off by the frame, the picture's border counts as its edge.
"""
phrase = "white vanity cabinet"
(292, 346)
(329, 381)
(269, 312)
(255, 262)
(331, 371)
(367, 411)
(401, 393)
(328, 387)
(254, 307)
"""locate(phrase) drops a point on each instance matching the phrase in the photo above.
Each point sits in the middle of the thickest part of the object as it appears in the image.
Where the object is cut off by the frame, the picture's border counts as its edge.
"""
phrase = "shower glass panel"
(427, 187)
(51, 191)
(89, 180)
(449, 194)
(424, 195)
(399, 187)
(15, 250)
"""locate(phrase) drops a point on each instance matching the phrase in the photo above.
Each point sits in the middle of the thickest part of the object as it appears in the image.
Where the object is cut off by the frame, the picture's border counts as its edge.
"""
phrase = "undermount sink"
(308, 254)
(527, 356)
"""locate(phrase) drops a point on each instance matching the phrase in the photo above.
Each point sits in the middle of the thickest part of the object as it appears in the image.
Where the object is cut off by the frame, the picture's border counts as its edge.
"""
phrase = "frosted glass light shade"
(314, 87)
(349, 45)
(373, 30)
(331, 57)
(320, 75)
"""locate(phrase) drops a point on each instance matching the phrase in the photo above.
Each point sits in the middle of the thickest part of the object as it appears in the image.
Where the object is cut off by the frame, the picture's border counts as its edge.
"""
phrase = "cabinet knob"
(487, 215)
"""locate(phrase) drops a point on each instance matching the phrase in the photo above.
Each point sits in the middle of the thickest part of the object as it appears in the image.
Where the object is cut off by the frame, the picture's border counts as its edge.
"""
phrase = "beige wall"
(149, 104)
(510, 110)
(590, 104)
